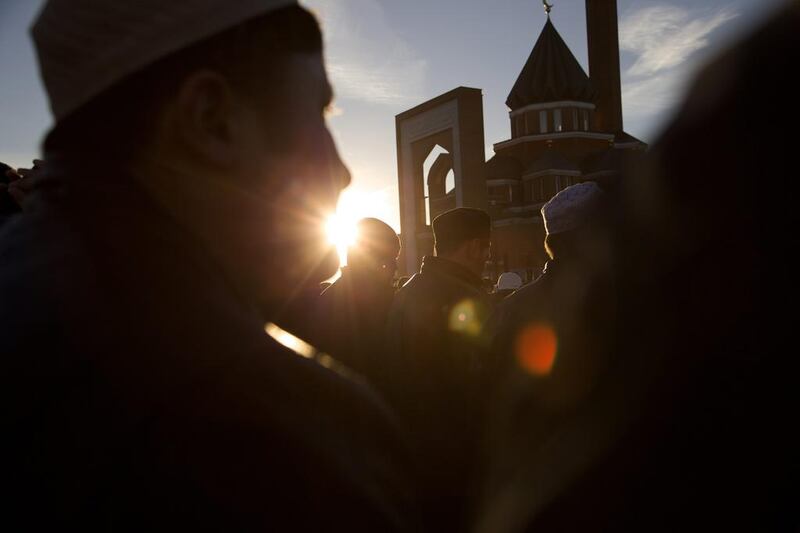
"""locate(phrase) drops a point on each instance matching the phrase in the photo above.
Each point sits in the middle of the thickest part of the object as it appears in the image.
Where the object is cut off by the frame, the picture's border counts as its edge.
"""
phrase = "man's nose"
(344, 174)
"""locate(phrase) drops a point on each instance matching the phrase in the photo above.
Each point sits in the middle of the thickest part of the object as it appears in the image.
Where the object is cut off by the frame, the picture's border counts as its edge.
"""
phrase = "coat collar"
(441, 266)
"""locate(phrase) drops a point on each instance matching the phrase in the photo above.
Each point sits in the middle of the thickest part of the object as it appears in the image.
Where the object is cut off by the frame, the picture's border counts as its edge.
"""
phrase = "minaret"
(603, 40)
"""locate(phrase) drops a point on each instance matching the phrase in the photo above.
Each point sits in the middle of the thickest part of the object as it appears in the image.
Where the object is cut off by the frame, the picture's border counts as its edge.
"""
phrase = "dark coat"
(577, 305)
(499, 296)
(351, 320)
(433, 357)
(694, 427)
(538, 390)
(139, 394)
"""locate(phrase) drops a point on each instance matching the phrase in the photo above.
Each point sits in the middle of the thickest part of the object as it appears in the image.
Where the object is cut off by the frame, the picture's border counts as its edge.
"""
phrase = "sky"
(386, 56)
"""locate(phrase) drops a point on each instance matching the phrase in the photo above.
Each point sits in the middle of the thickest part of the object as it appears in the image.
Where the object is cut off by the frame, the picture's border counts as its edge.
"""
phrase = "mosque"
(566, 127)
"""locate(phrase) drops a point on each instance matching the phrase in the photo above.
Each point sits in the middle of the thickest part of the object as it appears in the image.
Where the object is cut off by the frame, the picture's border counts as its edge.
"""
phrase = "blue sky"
(385, 56)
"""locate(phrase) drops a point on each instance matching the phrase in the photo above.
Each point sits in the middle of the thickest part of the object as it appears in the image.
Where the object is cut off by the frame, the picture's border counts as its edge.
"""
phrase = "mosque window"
(557, 125)
(585, 119)
(574, 125)
(543, 121)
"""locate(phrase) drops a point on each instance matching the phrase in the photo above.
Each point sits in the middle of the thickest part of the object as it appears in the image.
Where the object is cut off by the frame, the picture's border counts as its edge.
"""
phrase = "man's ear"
(204, 118)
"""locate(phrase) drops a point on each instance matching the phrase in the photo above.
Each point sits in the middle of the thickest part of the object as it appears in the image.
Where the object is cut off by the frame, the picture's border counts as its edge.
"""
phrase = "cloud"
(664, 40)
(666, 36)
(366, 58)
(653, 93)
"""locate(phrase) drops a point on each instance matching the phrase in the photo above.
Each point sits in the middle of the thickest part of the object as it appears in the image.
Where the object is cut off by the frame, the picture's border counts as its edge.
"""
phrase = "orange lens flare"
(536, 349)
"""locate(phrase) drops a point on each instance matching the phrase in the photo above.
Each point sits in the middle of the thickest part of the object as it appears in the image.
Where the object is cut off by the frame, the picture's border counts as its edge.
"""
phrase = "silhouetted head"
(218, 109)
(375, 250)
(574, 220)
(463, 235)
(7, 204)
(508, 281)
(3, 169)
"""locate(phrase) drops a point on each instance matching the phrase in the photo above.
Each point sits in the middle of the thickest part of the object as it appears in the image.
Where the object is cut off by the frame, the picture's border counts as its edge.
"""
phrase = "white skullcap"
(86, 46)
(571, 207)
(509, 281)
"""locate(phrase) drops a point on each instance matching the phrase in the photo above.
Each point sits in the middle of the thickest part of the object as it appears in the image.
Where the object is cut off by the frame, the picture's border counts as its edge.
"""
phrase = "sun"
(354, 204)
(341, 230)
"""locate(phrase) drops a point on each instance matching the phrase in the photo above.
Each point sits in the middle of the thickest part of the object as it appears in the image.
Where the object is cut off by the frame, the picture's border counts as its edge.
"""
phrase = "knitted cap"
(86, 46)
(571, 207)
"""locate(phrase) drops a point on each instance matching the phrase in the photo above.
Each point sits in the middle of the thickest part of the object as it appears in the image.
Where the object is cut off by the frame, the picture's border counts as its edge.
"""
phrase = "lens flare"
(296, 344)
(536, 347)
(465, 318)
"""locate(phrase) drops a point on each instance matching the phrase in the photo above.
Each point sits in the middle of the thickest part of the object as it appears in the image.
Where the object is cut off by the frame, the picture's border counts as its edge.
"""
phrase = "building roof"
(624, 138)
(552, 160)
(611, 161)
(503, 167)
(607, 161)
(551, 74)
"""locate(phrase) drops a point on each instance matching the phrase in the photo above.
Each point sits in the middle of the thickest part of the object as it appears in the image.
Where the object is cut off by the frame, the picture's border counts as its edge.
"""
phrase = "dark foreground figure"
(140, 391)
(432, 363)
(350, 316)
(691, 425)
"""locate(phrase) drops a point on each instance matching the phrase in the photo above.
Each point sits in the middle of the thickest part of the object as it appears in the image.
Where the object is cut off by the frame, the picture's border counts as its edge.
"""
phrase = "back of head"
(458, 226)
(377, 245)
(570, 218)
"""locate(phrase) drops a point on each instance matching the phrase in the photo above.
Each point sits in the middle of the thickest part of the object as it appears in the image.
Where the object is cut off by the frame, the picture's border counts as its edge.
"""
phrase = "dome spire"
(547, 7)
(551, 74)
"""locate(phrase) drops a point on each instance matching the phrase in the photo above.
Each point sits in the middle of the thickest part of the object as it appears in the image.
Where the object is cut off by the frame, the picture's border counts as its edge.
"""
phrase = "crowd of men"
(640, 382)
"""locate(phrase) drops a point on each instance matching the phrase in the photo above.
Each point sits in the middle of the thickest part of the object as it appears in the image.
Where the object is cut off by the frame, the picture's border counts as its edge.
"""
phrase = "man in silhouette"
(351, 314)
(185, 184)
(690, 428)
(434, 353)
(573, 299)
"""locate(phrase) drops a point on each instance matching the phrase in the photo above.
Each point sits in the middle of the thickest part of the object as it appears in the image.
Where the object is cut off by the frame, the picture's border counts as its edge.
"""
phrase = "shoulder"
(39, 259)
(305, 380)
(423, 290)
(275, 422)
(522, 301)
(524, 293)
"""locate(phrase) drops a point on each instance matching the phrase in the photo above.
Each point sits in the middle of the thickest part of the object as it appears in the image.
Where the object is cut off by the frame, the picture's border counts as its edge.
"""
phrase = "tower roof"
(551, 74)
